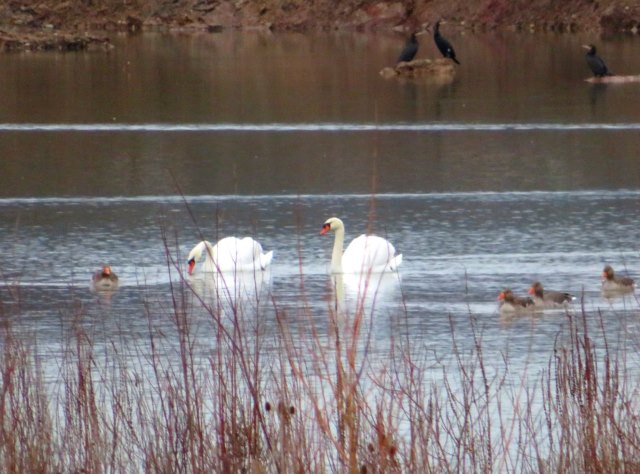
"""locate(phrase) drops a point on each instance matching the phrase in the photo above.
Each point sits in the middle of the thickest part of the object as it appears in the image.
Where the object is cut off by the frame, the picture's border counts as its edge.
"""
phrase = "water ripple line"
(587, 195)
(328, 127)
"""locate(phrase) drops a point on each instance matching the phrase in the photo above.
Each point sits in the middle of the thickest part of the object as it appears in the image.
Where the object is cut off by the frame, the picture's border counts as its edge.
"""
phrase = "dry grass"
(304, 398)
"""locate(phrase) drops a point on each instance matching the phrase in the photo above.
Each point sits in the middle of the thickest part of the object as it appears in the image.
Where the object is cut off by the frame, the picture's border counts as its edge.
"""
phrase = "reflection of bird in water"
(615, 284)
(596, 93)
(231, 290)
(549, 299)
(410, 49)
(595, 62)
(443, 44)
(371, 286)
(361, 294)
(104, 279)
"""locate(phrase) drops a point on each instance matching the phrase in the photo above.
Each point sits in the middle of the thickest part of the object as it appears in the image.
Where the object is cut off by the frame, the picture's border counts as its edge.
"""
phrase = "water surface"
(516, 170)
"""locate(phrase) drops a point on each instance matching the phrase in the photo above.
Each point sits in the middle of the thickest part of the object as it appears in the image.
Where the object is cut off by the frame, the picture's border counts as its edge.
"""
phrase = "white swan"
(365, 254)
(230, 255)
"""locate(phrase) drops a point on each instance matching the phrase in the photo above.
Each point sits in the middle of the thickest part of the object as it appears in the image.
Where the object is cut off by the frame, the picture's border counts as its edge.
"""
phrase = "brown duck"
(512, 303)
(548, 298)
(104, 278)
(614, 284)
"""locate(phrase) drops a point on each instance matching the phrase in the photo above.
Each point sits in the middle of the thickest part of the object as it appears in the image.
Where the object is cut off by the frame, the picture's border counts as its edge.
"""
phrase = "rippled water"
(459, 250)
(506, 175)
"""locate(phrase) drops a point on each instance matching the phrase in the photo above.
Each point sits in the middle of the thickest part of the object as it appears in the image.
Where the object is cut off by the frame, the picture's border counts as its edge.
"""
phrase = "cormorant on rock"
(595, 62)
(410, 49)
(443, 44)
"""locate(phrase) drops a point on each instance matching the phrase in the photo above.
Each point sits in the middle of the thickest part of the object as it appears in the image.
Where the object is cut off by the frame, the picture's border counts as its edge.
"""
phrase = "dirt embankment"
(80, 24)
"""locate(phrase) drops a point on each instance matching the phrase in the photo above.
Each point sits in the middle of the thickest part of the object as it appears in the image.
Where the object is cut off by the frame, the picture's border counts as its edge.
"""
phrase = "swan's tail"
(395, 262)
(265, 259)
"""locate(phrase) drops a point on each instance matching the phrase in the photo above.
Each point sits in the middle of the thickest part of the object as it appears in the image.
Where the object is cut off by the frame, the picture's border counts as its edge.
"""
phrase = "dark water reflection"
(258, 78)
(90, 164)
(472, 201)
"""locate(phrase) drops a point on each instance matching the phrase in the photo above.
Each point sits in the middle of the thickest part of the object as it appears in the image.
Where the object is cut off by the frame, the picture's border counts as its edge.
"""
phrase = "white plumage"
(230, 255)
(365, 254)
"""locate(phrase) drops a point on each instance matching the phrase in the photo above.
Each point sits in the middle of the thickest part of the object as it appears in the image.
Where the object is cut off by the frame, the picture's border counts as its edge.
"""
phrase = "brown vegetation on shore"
(77, 24)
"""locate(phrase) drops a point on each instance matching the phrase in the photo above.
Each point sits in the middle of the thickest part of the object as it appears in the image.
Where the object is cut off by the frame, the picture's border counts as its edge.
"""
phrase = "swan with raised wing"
(230, 255)
(365, 254)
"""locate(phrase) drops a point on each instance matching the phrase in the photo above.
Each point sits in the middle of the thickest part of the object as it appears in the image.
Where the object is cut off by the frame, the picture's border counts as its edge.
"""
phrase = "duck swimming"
(615, 284)
(510, 303)
(104, 278)
(549, 299)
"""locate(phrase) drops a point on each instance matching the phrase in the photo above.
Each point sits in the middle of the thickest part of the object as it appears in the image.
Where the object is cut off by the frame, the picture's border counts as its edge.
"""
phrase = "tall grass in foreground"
(309, 397)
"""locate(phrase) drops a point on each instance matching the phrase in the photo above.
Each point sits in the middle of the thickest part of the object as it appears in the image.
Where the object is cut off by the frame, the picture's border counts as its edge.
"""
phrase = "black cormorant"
(595, 62)
(443, 45)
(410, 49)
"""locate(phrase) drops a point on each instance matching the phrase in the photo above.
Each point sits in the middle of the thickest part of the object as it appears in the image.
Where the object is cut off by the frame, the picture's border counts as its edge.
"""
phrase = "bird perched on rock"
(443, 44)
(595, 62)
(410, 49)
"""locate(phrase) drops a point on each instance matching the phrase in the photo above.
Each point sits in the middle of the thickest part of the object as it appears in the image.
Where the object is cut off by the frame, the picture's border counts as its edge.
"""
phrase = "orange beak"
(501, 296)
(192, 263)
(532, 291)
(604, 275)
(325, 229)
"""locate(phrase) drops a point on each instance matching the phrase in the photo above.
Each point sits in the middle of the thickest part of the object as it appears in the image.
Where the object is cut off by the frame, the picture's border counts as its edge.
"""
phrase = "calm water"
(517, 170)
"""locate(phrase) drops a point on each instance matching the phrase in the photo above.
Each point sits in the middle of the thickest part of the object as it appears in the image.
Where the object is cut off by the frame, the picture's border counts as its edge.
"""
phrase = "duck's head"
(536, 289)
(505, 295)
(591, 49)
(607, 272)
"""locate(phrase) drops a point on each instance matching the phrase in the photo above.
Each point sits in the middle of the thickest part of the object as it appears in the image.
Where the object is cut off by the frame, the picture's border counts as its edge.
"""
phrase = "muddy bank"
(81, 24)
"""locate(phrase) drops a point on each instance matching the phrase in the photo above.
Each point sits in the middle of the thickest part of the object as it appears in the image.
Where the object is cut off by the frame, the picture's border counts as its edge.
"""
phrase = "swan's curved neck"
(336, 257)
(205, 247)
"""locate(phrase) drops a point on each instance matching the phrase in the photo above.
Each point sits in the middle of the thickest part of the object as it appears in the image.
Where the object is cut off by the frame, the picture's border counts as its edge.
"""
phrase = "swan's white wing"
(230, 254)
(233, 254)
(265, 259)
(368, 254)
